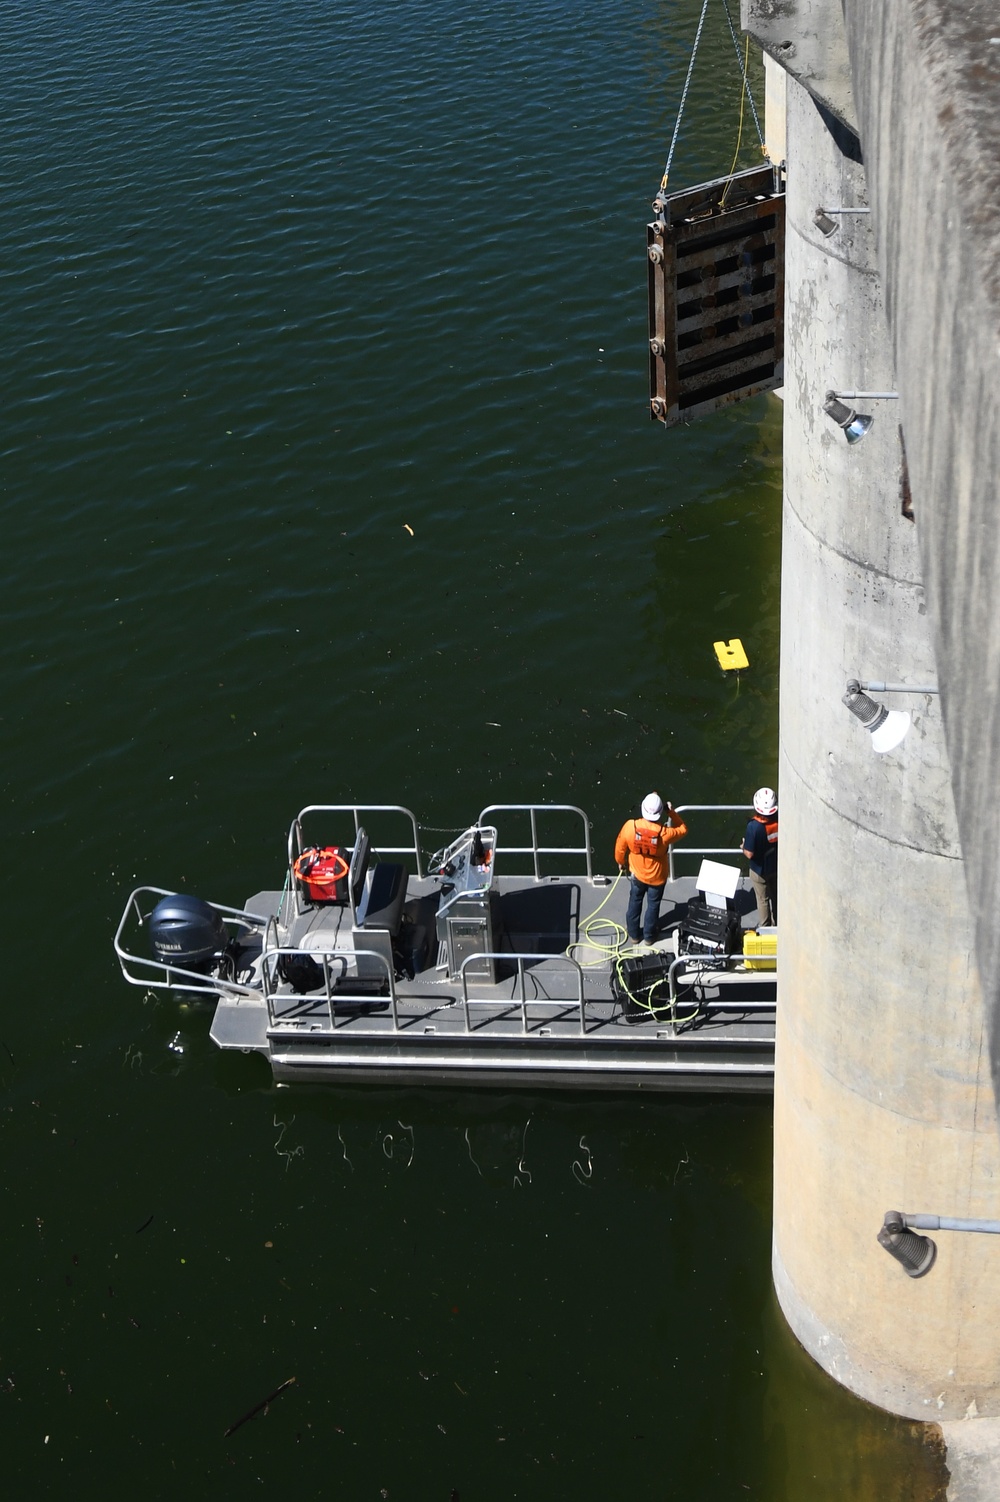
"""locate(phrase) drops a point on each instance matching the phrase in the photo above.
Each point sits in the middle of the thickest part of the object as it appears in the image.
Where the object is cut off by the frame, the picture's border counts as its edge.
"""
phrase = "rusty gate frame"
(727, 240)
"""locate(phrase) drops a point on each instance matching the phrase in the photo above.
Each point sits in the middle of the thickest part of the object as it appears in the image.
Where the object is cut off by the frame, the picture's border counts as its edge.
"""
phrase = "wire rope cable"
(684, 94)
(742, 66)
(746, 97)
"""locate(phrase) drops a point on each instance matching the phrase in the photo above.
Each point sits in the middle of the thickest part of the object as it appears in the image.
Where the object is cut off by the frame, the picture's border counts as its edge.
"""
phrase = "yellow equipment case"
(760, 949)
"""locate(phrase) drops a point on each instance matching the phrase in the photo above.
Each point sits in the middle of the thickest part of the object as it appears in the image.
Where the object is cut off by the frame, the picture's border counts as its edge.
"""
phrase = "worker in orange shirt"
(642, 845)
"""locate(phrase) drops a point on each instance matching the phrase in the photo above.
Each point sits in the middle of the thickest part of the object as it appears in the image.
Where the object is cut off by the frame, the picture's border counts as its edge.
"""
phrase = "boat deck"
(542, 1019)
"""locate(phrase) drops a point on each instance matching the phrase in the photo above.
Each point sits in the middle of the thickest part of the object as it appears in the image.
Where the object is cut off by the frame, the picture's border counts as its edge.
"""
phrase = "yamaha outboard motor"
(186, 932)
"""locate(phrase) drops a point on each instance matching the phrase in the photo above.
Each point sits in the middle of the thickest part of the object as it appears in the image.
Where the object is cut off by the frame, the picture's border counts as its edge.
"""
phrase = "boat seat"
(381, 905)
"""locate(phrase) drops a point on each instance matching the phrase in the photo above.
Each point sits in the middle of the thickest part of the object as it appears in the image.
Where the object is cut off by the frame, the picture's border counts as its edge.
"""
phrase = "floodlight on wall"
(887, 727)
(917, 1253)
(855, 424)
(826, 223)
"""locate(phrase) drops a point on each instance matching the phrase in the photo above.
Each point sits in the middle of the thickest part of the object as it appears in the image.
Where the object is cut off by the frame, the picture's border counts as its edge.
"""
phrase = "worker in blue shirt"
(760, 846)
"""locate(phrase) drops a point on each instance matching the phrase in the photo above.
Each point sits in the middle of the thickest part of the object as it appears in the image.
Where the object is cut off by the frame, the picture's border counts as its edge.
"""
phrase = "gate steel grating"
(716, 295)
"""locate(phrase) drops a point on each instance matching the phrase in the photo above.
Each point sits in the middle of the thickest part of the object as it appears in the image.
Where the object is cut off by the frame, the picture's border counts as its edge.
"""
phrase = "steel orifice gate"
(716, 260)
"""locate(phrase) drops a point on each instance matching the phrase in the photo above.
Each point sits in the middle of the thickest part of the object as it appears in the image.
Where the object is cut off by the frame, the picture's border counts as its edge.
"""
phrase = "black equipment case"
(709, 930)
(640, 986)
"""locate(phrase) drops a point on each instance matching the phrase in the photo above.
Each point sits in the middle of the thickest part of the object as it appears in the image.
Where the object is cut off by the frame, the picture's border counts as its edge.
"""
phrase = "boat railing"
(707, 965)
(677, 848)
(287, 1008)
(356, 810)
(158, 975)
(298, 1006)
(536, 850)
(521, 988)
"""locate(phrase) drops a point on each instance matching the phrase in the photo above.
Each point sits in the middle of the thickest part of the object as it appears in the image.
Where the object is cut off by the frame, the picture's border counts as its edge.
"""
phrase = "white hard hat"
(765, 801)
(652, 807)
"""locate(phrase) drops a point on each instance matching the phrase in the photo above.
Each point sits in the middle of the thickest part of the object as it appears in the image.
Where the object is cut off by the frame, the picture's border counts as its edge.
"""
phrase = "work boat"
(371, 964)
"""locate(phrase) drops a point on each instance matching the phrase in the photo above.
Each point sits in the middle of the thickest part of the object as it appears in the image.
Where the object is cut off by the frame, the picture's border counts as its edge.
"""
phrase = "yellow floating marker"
(731, 655)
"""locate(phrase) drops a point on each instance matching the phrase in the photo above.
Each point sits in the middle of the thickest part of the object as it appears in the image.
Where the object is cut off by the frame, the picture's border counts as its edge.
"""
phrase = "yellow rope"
(739, 138)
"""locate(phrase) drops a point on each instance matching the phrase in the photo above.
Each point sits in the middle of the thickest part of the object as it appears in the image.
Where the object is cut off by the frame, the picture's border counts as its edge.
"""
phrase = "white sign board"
(718, 882)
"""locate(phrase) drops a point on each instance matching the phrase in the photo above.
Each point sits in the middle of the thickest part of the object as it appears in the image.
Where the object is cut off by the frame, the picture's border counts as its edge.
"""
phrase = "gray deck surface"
(727, 1044)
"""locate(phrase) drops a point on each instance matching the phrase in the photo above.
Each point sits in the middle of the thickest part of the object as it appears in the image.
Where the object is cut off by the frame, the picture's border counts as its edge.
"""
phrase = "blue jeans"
(634, 910)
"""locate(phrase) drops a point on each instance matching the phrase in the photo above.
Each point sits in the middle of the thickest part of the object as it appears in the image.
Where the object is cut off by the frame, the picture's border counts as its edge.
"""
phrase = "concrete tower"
(883, 1097)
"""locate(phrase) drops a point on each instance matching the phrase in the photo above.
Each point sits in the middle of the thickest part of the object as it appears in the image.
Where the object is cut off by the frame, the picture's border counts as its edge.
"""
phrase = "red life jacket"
(648, 842)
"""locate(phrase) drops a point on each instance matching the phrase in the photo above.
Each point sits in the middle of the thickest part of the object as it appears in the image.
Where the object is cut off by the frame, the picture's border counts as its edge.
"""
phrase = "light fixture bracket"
(828, 225)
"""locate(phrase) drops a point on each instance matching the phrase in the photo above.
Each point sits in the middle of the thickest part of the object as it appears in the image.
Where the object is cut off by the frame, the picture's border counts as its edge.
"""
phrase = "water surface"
(327, 474)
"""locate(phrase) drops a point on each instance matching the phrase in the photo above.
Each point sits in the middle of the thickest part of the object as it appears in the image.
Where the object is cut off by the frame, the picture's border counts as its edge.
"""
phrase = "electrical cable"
(653, 1008)
(742, 66)
(739, 135)
(615, 953)
(613, 950)
(281, 900)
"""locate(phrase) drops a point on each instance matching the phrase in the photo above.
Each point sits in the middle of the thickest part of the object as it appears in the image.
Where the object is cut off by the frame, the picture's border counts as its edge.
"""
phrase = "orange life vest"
(771, 827)
(647, 842)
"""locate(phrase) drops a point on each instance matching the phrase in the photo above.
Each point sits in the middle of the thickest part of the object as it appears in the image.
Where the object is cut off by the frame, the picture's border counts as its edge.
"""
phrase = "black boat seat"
(381, 904)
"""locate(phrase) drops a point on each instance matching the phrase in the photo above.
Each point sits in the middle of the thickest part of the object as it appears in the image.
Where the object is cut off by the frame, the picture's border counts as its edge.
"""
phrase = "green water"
(327, 475)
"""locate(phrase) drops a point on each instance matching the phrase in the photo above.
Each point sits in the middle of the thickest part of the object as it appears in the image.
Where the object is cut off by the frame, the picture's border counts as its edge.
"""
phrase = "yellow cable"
(739, 137)
(617, 950)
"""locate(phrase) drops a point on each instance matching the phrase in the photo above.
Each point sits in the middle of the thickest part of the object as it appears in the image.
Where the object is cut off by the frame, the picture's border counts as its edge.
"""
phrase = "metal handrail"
(324, 956)
(534, 849)
(295, 846)
(701, 850)
(356, 810)
(721, 962)
(473, 959)
(713, 808)
(705, 808)
(154, 968)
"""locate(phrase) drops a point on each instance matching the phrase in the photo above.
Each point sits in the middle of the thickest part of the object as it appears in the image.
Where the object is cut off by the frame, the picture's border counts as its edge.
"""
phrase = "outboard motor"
(186, 932)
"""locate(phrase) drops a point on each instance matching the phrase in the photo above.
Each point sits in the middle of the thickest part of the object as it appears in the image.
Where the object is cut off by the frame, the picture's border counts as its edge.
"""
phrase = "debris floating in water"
(581, 1174)
(409, 528)
(471, 1158)
(264, 1405)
